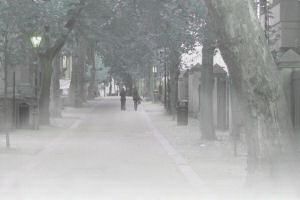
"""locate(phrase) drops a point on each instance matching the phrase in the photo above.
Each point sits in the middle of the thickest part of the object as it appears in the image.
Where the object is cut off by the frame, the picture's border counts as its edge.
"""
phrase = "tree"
(46, 57)
(207, 86)
(54, 20)
(55, 103)
(60, 17)
(175, 27)
(93, 87)
(77, 85)
(256, 80)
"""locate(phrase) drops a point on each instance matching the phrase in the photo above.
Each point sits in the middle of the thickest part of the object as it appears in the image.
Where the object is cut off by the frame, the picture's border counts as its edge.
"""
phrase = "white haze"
(99, 152)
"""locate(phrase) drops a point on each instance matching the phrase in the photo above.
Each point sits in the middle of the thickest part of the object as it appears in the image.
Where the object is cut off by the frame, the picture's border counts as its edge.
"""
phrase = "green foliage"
(20, 19)
(127, 33)
(139, 28)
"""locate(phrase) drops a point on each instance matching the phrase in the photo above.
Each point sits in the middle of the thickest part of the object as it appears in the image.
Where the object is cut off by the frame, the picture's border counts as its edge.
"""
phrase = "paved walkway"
(99, 152)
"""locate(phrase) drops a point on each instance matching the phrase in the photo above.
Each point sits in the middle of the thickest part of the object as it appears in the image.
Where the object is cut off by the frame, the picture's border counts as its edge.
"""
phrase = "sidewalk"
(213, 161)
(110, 155)
(42, 136)
(99, 152)
(26, 143)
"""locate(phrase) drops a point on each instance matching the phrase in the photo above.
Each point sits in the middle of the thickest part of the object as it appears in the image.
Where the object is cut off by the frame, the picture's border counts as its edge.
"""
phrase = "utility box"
(156, 96)
(182, 113)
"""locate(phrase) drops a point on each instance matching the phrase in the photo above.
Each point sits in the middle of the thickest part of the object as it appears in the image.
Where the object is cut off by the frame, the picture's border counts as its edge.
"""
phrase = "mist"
(146, 99)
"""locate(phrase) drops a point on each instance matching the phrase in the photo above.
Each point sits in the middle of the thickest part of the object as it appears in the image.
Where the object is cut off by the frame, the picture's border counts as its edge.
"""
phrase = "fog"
(99, 152)
(149, 99)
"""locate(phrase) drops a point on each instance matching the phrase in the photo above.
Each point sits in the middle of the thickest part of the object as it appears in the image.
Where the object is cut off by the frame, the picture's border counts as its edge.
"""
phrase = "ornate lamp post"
(154, 70)
(36, 41)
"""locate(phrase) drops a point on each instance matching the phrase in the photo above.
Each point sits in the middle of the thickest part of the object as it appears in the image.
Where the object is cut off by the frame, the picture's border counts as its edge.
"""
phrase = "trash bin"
(155, 96)
(182, 113)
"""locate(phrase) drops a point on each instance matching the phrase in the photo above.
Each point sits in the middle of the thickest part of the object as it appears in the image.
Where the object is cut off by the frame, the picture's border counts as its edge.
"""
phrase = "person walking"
(123, 99)
(136, 98)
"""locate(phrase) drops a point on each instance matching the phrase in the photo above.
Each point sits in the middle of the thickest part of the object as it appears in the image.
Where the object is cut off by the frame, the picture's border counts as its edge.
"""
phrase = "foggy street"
(149, 100)
(104, 153)
(100, 152)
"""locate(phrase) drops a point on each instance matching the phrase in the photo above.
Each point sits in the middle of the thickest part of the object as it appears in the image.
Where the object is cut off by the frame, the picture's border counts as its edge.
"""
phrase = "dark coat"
(135, 95)
(123, 94)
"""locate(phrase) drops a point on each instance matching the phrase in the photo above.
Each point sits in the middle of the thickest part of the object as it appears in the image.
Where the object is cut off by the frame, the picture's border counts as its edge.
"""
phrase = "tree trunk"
(207, 86)
(174, 73)
(76, 93)
(110, 87)
(83, 93)
(46, 59)
(55, 104)
(93, 88)
(237, 121)
(256, 80)
(44, 96)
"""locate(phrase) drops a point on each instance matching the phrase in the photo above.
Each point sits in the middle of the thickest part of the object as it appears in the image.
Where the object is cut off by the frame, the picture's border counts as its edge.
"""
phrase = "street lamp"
(154, 70)
(36, 41)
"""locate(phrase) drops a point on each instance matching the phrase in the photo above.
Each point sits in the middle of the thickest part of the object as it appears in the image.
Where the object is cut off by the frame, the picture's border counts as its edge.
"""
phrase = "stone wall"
(221, 93)
(183, 86)
(194, 91)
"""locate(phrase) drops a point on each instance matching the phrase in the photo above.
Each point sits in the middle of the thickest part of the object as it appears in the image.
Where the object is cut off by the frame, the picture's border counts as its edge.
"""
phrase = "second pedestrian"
(123, 99)
(136, 98)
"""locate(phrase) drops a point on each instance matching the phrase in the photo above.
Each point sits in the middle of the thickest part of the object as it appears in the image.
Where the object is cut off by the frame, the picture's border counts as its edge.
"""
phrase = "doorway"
(23, 115)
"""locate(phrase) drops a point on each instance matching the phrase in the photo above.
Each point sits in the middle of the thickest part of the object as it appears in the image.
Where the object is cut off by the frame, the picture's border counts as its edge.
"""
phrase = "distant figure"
(160, 90)
(123, 99)
(136, 98)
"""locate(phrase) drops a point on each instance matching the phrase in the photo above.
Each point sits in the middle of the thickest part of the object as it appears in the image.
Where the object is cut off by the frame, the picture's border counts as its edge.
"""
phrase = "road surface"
(104, 154)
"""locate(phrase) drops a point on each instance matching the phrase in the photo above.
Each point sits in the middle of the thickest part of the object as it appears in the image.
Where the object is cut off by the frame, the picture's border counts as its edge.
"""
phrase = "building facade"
(19, 107)
(221, 94)
(283, 31)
